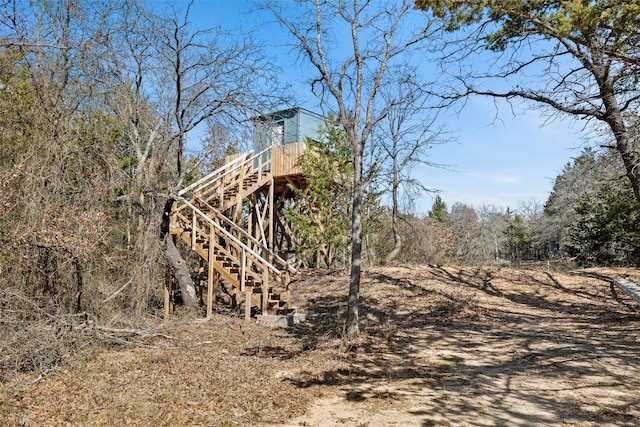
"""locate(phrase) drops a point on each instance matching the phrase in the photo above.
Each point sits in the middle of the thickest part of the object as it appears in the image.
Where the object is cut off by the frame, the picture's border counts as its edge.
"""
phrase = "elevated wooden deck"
(285, 159)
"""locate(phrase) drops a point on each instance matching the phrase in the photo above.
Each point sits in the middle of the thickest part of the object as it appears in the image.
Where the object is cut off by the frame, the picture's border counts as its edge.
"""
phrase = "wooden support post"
(247, 305)
(265, 290)
(212, 275)
(250, 221)
(260, 168)
(221, 195)
(270, 218)
(243, 269)
(211, 291)
(237, 216)
(194, 225)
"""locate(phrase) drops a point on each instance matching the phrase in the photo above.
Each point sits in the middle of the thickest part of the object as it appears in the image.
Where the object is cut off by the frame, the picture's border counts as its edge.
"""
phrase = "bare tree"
(348, 79)
(405, 134)
(465, 233)
(173, 79)
(493, 222)
(133, 65)
(213, 74)
(218, 143)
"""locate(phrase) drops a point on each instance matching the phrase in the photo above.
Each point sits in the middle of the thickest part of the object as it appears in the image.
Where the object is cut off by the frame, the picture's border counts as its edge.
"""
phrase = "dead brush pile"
(220, 371)
(35, 339)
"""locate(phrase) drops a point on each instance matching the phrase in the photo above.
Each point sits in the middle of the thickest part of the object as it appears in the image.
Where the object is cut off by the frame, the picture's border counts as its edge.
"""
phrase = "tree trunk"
(397, 241)
(180, 272)
(367, 246)
(146, 247)
(351, 327)
(613, 117)
(177, 264)
(628, 155)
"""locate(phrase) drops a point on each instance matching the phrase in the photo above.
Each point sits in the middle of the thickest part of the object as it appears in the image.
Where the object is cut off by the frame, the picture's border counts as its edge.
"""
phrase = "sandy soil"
(489, 347)
(440, 346)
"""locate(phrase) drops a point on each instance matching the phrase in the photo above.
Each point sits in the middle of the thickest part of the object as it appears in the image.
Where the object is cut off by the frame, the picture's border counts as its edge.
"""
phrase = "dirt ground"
(440, 346)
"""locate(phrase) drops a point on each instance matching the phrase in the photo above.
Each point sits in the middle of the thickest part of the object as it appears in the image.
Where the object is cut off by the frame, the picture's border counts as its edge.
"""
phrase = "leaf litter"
(443, 346)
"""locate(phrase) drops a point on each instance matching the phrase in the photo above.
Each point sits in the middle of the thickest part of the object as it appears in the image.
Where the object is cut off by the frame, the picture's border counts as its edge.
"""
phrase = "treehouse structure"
(233, 218)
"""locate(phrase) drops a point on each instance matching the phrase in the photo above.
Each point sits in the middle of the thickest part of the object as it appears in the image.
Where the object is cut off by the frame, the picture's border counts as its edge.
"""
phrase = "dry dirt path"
(477, 347)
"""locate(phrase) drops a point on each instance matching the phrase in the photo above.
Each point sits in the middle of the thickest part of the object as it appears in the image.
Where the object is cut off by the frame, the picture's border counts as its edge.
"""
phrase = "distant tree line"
(591, 218)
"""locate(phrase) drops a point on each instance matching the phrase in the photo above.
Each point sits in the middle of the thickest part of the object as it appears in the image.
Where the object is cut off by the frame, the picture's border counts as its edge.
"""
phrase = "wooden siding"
(285, 159)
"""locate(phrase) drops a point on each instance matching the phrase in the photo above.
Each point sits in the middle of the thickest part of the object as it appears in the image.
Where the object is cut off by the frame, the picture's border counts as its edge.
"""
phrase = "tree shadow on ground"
(538, 353)
(590, 304)
(615, 292)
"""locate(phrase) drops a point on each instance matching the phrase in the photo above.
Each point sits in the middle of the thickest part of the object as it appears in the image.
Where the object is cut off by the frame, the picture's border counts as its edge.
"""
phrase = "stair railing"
(237, 241)
(220, 217)
(222, 172)
(213, 176)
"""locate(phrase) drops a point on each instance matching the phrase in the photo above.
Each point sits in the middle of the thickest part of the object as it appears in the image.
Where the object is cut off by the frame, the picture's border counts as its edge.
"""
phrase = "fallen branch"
(116, 293)
(138, 332)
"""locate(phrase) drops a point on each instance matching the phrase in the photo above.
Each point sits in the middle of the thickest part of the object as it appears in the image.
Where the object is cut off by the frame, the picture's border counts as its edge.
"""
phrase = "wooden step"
(285, 311)
(181, 229)
(276, 303)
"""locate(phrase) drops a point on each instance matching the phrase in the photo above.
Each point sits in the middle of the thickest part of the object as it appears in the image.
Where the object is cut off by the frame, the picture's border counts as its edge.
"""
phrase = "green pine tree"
(322, 217)
(439, 210)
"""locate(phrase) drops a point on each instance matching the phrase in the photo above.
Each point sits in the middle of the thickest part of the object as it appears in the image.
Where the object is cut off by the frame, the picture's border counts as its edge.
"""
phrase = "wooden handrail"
(248, 236)
(209, 176)
(230, 236)
(203, 182)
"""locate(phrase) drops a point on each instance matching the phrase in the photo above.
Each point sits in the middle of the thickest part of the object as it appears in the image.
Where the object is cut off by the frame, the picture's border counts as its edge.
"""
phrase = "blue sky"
(501, 161)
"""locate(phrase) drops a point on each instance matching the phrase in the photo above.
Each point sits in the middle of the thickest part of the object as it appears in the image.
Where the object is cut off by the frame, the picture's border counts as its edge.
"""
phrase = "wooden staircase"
(211, 218)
